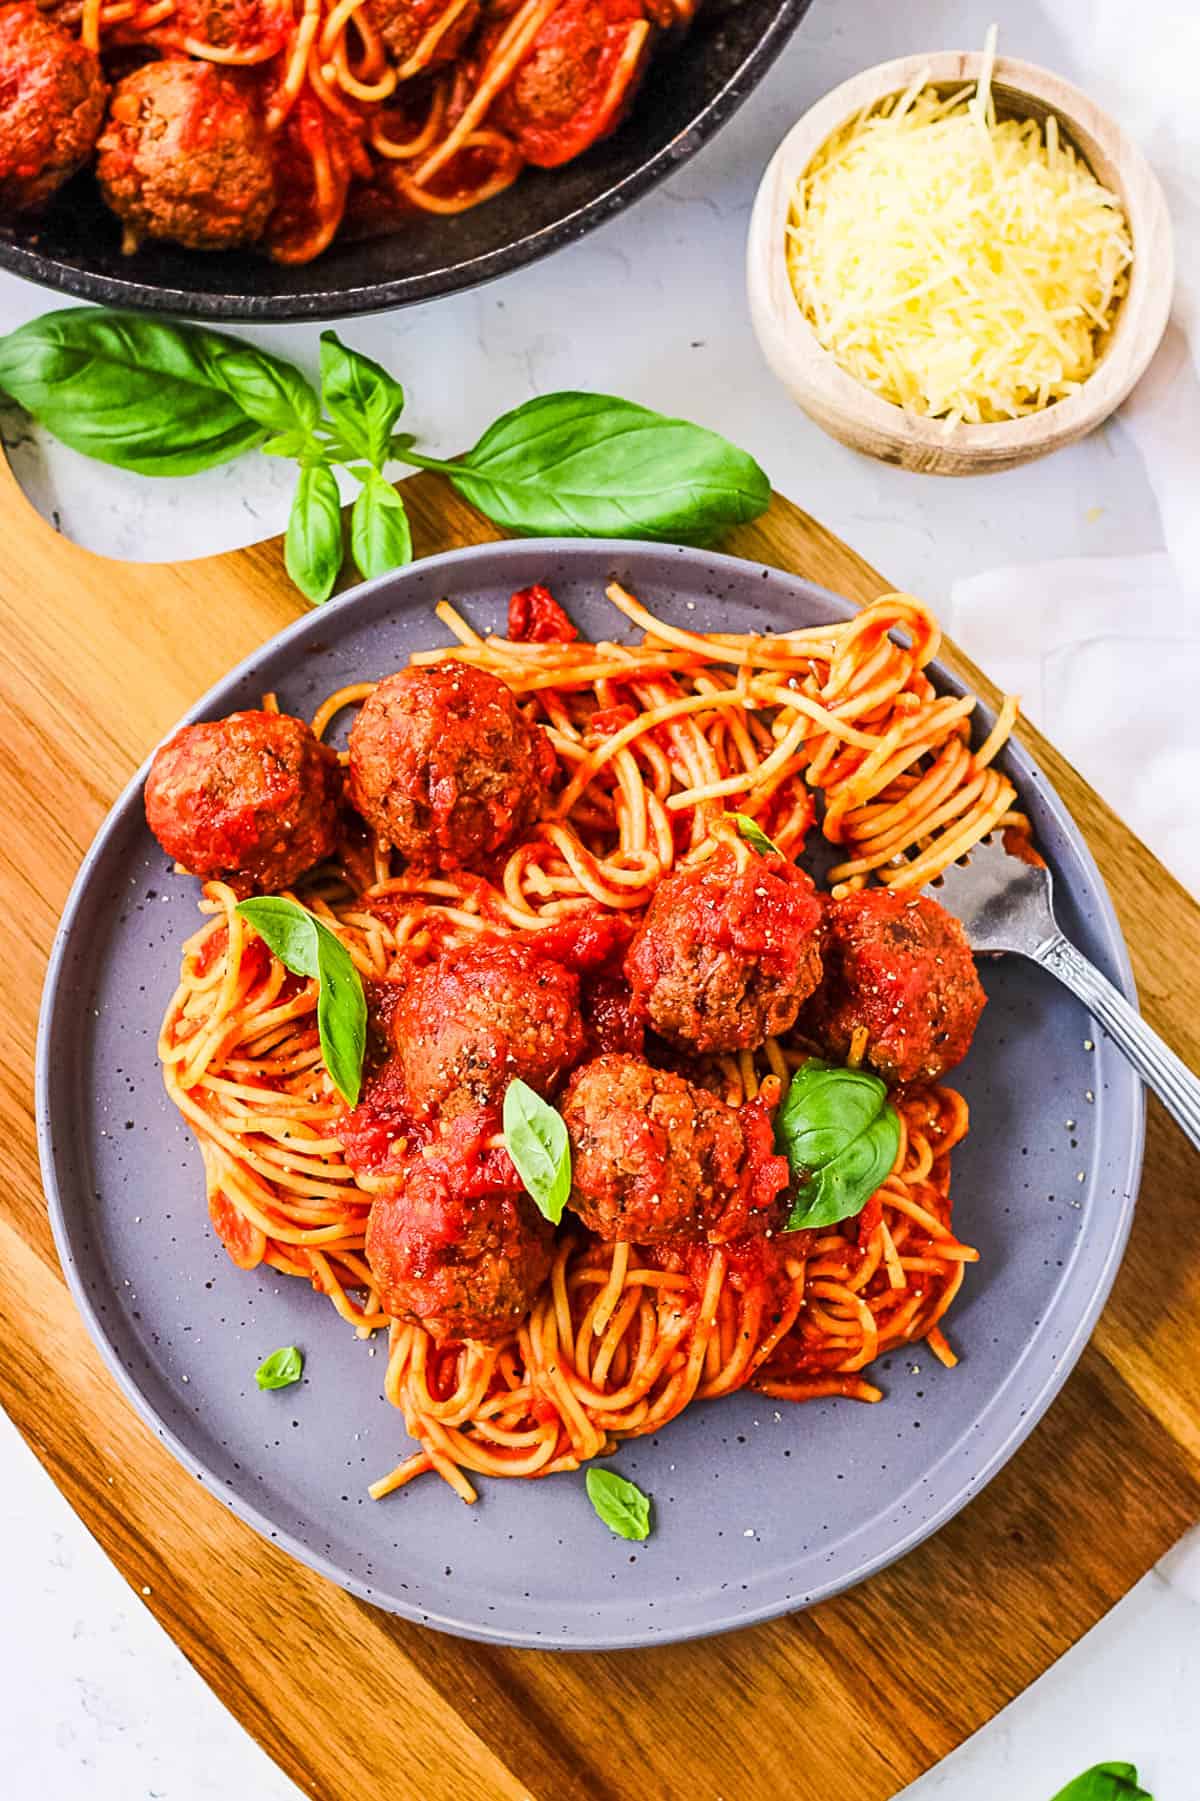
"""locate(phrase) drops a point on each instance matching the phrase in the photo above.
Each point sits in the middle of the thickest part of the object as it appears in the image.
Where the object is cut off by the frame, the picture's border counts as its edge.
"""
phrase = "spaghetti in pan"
(570, 869)
(222, 124)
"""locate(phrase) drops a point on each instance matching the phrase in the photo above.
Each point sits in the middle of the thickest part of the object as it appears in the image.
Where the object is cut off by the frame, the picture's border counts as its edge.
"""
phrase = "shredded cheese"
(964, 267)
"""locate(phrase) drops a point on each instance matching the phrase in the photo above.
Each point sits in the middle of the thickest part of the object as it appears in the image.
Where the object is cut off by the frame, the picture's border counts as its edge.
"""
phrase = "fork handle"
(1170, 1078)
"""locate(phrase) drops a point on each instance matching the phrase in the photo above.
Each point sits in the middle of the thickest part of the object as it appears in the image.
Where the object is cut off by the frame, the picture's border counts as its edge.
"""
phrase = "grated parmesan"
(964, 267)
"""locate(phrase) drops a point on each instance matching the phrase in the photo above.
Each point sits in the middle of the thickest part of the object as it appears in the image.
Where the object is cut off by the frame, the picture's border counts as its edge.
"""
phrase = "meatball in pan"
(186, 156)
(52, 95)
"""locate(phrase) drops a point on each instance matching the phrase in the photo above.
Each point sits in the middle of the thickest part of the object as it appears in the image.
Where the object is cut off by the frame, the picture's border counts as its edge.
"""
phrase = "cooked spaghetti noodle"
(384, 108)
(654, 741)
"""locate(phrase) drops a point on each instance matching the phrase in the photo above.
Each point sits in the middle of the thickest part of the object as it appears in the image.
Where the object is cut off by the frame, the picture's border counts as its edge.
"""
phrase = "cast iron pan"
(689, 92)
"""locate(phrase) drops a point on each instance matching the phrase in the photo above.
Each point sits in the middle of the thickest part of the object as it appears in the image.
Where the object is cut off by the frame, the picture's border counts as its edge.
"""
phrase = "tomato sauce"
(535, 617)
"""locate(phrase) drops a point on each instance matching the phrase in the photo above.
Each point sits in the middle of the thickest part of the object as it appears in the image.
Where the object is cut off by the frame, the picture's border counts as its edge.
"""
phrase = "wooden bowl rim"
(1143, 314)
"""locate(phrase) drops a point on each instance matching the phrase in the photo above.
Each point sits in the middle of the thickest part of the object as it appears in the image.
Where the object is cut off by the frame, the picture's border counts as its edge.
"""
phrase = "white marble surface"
(94, 1700)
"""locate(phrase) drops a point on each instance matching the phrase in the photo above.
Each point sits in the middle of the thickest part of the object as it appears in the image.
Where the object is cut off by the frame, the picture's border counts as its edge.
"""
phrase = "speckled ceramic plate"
(691, 88)
(759, 1509)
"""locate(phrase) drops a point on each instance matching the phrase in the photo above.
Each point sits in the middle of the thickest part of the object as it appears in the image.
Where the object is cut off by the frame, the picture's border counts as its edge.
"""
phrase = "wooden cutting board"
(847, 1702)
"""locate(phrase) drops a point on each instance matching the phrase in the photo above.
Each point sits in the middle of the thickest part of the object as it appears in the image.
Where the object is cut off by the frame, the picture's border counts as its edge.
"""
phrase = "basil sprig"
(1105, 1782)
(167, 399)
(281, 1368)
(840, 1134)
(536, 1140)
(754, 835)
(622, 1506)
(308, 948)
(592, 466)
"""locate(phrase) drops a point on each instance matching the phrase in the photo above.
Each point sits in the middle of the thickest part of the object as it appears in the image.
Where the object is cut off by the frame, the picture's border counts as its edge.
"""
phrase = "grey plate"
(758, 1509)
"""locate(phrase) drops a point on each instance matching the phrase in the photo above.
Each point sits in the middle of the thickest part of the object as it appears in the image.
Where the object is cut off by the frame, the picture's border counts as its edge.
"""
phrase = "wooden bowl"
(863, 419)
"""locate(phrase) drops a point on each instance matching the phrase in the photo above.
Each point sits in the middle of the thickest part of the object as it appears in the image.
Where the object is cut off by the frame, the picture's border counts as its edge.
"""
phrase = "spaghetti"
(383, 108)
(653, 740)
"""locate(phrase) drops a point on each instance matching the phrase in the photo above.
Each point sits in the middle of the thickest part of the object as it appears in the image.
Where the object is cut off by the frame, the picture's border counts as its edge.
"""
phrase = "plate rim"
(55, 1002)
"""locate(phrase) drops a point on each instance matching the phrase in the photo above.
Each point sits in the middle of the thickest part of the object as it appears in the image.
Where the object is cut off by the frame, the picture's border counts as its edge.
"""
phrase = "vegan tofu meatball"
(465, 1026)
(185, 156)
(900, 967)
(252, 799)
(458, 1246)
(725, 955)
(653, 1156)
(445, 766)
(52, 97)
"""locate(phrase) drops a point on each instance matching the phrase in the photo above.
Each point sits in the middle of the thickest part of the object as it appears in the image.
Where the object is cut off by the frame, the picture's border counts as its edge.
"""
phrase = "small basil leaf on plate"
(594, 466)
(281, 1368)
(308, 948)
(139, 393)
(536, 1140)
(362, 399)
(754, 835)
(380, 538)
(840, 1135)
(1105, 1782)
(341, 1015)
(622, 1506)
(312, 546)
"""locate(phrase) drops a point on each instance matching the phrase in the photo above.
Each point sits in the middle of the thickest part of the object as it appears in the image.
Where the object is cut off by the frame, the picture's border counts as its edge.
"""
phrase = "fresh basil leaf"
(1105, 1782)
(291, 444)
(341, 1015)
(380, 538)
(136, 392)
(265, 387)
(312, 546)
(536, 1140)
(287, 929)
(622, 1506)
(362, 399)
(840, 1135)
(281, 1368)
(307, 947)
(754, 835)
(593, 466)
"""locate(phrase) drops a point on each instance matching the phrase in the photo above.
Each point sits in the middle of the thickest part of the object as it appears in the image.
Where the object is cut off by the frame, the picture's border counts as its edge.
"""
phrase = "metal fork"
(1007, 904)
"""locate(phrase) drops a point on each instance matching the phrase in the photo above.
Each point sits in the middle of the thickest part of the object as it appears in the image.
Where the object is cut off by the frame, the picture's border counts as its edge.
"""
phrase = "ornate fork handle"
(1170, 1078)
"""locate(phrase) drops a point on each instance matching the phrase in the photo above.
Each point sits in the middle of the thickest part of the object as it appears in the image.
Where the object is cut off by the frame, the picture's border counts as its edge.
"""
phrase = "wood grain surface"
(847, 1702)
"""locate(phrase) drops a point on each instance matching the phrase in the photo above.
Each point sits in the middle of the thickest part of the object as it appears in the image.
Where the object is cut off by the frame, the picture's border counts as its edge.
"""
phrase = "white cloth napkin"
(1082, 640)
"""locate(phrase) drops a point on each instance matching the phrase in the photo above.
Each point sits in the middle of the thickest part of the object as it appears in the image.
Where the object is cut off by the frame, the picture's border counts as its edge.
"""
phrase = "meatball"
(725, 955)
(459, 1247)
(252, 799)
(653, 1156)
(52, 97)
(253, 28)
(465, 1026)
(900, 967)
(445, 766)
(403, 24)
(576, 80)
(185, 156)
